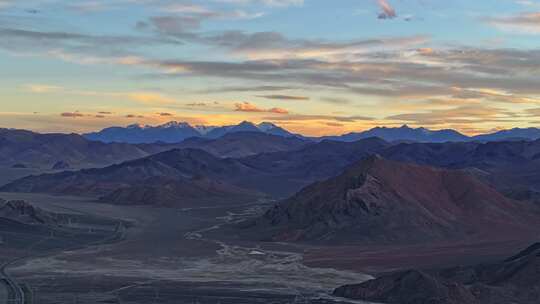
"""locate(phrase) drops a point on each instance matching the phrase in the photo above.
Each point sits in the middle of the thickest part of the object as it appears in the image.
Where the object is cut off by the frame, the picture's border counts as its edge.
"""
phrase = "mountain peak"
(246, 123)
(265, 126)
(135, 126)
(175, 124)
(376, 200)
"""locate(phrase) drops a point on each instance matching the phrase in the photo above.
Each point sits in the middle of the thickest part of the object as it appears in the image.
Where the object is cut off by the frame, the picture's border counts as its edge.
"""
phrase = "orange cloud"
(43, 88)
(150, 98)
(248, 107)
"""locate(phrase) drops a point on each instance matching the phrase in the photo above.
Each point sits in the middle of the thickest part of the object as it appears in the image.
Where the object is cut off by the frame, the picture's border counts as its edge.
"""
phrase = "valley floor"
(184, 256)
(166, 258)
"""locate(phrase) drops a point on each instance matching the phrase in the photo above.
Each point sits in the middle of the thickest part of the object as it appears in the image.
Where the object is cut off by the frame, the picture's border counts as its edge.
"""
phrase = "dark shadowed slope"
(174, 164)
(512, 134)
(461, 155)
(408, 287)
(235, 145)
(512, 166)
(45, 150)
(278, 174)
(168, 192)
(284, 173)
(382, 201)
(515, 280)
(315, 161)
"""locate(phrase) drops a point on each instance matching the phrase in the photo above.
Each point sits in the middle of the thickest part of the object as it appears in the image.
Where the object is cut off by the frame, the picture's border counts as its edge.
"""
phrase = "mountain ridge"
(174, 132)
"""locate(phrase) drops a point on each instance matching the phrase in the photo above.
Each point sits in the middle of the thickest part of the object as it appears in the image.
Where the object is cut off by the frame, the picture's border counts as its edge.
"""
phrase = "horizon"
(306, 65)
(142, 126)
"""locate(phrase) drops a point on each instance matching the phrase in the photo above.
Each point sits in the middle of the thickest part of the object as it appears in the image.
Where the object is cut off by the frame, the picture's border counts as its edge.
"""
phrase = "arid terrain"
(194, 225)
(165, 257)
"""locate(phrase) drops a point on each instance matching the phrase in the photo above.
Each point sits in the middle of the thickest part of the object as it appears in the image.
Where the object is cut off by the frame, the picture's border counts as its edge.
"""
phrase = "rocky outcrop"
(409, 287)
(61, 165)
(24, 212)
(514, 280)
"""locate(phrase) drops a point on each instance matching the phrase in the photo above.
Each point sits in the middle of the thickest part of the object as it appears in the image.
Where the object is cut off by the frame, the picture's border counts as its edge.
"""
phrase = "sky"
(316, 67)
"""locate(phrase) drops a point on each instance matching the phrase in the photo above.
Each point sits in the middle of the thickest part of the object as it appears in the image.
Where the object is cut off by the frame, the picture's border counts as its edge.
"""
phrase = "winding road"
(15, 293)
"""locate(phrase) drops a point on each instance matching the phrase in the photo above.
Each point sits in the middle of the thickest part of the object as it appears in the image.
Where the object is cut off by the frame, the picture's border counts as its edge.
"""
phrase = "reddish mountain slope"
(381, 201)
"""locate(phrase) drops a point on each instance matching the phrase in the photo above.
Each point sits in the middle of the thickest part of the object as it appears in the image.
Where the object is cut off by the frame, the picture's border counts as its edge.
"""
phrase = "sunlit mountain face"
(269, 151)
(315, 67)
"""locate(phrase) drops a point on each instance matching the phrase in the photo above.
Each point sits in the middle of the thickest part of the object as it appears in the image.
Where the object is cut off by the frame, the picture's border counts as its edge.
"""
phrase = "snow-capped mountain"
(170, 132)
(173, 132)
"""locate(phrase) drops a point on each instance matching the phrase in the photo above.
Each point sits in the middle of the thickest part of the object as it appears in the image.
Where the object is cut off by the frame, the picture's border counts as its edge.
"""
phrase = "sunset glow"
(315, 67)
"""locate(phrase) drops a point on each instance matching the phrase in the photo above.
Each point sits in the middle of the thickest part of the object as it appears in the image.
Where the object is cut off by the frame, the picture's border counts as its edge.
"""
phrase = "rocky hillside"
(165, 192)
(174, 164)
(382, 201)
(29, 149)
(237, 144)
(515, 280)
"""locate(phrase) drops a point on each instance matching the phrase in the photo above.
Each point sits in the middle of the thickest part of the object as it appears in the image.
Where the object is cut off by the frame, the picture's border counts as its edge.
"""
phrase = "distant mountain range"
(406, 133)
(25, 149)
(175, 132)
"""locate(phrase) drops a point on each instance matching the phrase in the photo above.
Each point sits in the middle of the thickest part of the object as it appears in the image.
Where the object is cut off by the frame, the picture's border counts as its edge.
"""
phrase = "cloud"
(284, 97)
(248, 107)
(151, 98)
(496, 75)
(468, 114)
(76, 47)
(88, 7)
(6, 3)
(336, 100)
(72, 114)
(197, 104)
(334, 124)
(303, 117)
(528, 22)
(104, 112)
(271, 3)
(265, 45)
(247, 89)
(134, 116)
(388, 12)
(165, 114)
(43, 88)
